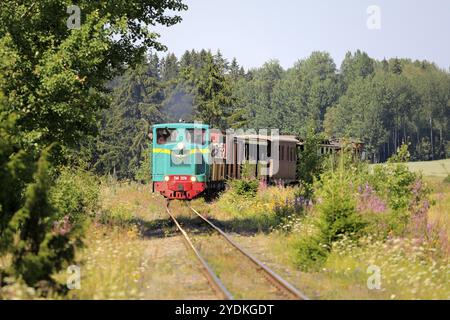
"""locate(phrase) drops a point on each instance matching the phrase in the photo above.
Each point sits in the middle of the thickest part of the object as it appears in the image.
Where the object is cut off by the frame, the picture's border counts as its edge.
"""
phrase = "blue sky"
(255, 31)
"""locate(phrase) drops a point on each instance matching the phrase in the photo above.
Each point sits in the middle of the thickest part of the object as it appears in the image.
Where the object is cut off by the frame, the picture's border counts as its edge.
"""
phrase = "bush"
(42, 244)
(353, 202)
(143, 173)
(245, 188)
(75, 194)
(402, 155)
(336, 216)
(311, 162)
(394, 181)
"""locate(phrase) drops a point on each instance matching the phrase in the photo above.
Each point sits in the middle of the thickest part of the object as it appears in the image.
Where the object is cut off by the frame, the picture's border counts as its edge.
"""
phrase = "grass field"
(134, 253)
(408, 270)
(137, 254)
(438, 168)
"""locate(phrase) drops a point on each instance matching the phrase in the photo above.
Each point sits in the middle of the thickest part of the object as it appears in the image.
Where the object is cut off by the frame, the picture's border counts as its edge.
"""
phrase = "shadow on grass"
(161, 228)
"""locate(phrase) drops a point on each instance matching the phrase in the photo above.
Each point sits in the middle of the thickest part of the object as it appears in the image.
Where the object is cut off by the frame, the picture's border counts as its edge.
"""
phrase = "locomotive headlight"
(166, 178)
(193, 178)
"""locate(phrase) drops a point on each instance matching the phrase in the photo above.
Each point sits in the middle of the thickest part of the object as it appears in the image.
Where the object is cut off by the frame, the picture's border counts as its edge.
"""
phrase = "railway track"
(282, 286)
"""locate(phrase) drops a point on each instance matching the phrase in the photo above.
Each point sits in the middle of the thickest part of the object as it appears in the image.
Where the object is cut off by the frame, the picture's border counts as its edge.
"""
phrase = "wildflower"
(62, 227)
(369, 201)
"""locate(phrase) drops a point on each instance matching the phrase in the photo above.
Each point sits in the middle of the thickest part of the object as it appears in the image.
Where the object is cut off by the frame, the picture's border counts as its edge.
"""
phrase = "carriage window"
(166, 135)
(196, 136)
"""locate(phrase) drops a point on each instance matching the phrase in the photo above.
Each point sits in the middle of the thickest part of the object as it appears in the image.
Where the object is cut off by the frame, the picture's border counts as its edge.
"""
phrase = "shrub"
(336, 215)
(249, 171)
(353, 202)
(75, 194)
(246, 188)
(310, 164)
(402, 154)
(394, 181)
(143, 173)
(40, 246)
(311, 253)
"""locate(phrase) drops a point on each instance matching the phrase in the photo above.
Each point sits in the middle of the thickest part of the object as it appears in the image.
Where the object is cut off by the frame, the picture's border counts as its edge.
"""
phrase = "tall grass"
(405, 234)
(269, 209)
(111, 266)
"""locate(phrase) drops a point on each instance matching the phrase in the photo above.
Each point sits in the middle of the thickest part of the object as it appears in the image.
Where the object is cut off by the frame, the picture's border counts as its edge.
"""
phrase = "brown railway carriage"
(334, 146)
(271, 158)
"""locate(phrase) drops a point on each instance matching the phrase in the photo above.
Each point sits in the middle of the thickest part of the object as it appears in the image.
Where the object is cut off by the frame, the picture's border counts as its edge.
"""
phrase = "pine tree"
(213, 101)
(136, 105)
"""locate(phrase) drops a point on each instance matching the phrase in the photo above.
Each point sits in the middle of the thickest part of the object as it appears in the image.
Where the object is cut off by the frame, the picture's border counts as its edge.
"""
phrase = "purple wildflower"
(369, 201)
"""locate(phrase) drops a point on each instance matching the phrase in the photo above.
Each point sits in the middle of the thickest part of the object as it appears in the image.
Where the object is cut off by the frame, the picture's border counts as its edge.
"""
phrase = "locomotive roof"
(181, 125)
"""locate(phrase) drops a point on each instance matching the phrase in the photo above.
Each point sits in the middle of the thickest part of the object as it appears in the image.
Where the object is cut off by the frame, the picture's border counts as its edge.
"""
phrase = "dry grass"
(438, 168)
(404, 274)
(440, 211)
(125, 260)
(112, 264)
(137, 198)
(236, 272)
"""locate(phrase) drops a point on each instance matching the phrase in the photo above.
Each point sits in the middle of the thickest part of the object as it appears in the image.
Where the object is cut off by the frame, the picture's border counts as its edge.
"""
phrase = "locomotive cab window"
(196, 136)
(166, 135)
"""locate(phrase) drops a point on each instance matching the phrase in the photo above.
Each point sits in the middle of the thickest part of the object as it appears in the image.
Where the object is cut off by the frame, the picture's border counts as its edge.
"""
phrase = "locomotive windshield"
(196, 136)
(166, 135)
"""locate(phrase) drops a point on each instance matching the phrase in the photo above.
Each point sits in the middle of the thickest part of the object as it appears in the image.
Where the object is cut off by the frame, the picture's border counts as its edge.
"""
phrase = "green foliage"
(402, 155)
(135, 107)
(357, 65)
(311, 253)
(61, 73)
(52, 87)
(213, 100)
(245, 187)
(248, 171)
(143, 174)
(395, 182)
(42, 244)
(336, 216)
(75, 195)
(381, 104)
(310, 163)
(423, 150)
(354, 201)
(337, 207)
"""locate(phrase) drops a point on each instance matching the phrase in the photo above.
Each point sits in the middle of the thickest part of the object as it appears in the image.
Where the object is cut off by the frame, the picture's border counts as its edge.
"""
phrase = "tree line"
(380, 103)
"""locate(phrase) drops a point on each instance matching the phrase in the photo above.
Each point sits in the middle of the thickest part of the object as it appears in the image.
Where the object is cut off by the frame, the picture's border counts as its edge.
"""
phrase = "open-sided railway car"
(188, 158)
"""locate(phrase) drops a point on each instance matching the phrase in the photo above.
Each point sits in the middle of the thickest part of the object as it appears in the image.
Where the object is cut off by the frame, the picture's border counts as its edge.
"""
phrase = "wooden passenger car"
(270, 158)
(334, 145)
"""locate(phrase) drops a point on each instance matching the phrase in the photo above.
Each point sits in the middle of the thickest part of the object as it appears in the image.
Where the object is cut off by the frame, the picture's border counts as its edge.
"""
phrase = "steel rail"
(214, 281)
(277, 280)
